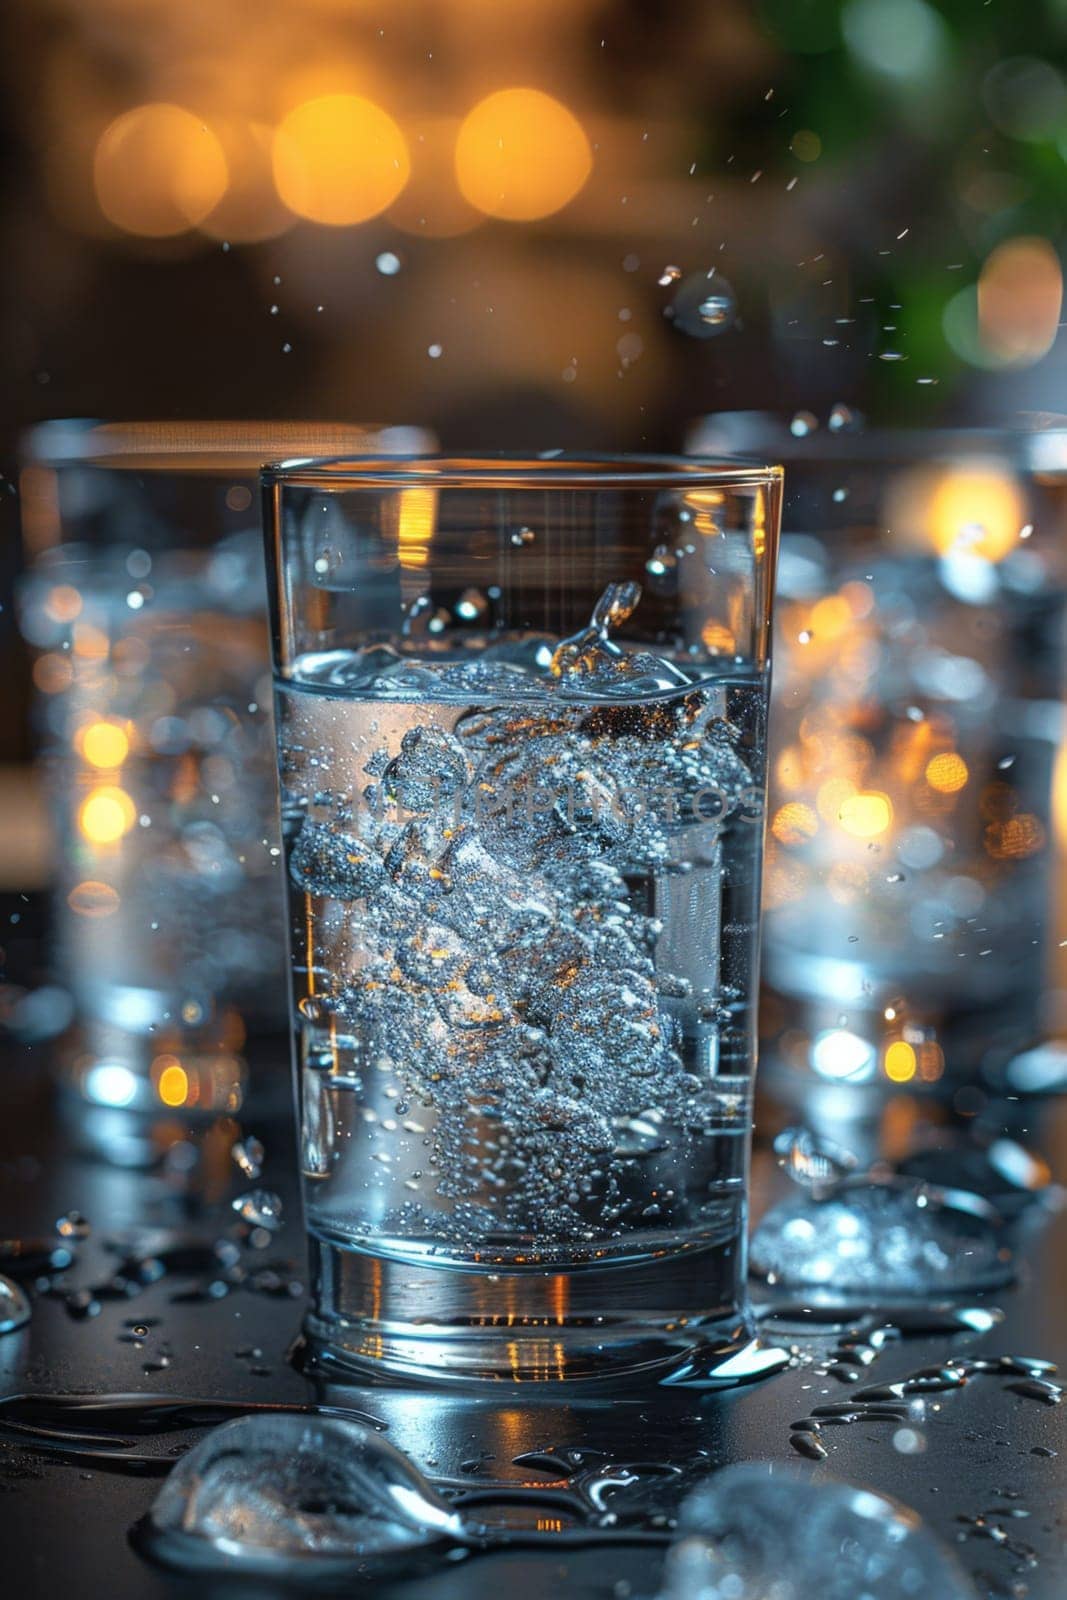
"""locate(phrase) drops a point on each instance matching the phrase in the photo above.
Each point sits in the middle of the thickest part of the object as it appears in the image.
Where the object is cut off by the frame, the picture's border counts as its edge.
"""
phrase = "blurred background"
(524, 222)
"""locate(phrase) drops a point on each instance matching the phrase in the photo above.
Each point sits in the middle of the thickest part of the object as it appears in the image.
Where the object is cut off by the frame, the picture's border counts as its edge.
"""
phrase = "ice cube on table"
(762, 1531)
(281, 1494)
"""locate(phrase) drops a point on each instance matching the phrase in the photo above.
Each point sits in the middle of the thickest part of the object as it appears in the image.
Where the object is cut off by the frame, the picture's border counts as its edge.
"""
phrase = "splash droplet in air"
(704, 305)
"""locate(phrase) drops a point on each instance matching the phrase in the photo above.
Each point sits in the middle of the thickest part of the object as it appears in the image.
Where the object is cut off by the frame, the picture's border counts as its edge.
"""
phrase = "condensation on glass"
(521, 718)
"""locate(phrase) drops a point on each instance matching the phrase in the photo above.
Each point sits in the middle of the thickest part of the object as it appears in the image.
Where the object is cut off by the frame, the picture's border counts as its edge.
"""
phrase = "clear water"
(524, 890)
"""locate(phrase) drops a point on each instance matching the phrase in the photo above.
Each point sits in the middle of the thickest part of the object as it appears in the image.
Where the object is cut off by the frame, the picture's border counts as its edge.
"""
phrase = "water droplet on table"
(14, 1306)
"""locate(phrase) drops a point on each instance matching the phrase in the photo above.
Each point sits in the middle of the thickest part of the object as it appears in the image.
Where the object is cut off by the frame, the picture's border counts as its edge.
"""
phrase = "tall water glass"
(145, 604)
(521, 714)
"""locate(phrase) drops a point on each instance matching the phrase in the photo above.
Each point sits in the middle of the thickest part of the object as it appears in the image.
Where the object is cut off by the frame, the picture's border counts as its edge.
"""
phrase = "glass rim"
(508, 471)
(241, 445)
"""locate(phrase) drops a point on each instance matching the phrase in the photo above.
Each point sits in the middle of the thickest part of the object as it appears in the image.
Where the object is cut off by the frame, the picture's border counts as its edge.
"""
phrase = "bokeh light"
(339, 159)
(172, 1085)
(1020, 296)
(900, 1061)
(901, 39)
(521, 155)
(158, 171)
(106, 814)
(865, 815)
(976, 512)
(104, 744)
(947, 772)
(795, 823)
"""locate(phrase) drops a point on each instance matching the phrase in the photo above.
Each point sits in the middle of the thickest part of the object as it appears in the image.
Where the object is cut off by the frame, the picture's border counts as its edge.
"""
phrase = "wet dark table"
(66, 1523)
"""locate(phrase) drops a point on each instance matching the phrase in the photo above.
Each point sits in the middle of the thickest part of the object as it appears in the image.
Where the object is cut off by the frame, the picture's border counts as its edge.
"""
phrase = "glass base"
(376, 1317)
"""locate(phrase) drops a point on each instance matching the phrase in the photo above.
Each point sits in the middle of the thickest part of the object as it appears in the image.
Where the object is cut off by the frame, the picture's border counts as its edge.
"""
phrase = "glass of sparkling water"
(145, 605)
(520, 708)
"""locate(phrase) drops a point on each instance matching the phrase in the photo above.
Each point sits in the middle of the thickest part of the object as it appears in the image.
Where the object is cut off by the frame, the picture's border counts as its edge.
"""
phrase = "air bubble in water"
(668, 276)
(388, 263)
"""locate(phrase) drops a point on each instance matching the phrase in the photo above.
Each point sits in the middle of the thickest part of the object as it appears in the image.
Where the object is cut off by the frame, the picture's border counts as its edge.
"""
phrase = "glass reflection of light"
(109, 1084)
(837, 1053)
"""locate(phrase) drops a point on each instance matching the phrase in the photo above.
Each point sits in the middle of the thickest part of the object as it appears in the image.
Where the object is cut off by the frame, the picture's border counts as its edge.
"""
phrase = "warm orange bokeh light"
(93, 899)
(158, 171)
(104, 744)
(900, 1062)
(106, 814)
(795, 823)
(976, 512)
(947, 773)
(521, 155)
(64, 603)
(865, 815)
(339, 159)
(431, 204)
(173, 1084)
(1020, 294)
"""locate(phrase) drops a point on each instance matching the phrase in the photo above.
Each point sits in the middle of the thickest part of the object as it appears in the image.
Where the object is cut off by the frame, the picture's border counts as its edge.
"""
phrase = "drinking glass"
(916, 718)
(520, 707)
(145, 604)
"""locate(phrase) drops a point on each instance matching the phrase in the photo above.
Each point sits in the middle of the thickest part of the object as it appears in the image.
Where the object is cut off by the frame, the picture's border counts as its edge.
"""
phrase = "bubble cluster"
(502, 969)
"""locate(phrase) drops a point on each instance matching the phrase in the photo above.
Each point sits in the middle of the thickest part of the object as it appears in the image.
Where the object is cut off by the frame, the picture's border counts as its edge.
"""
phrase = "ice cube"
(326, 862)
(896, 1237)
(429, 770)
(763, 1531)
(289, 1495)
